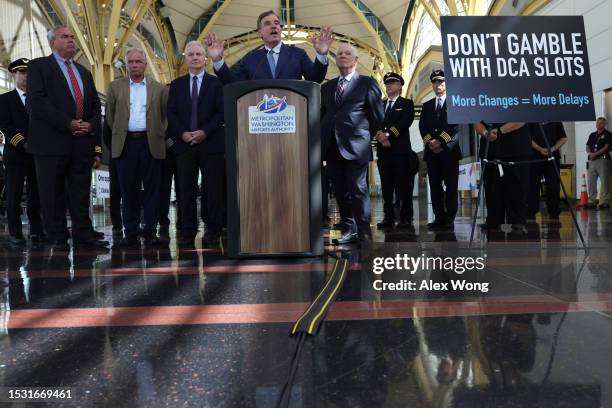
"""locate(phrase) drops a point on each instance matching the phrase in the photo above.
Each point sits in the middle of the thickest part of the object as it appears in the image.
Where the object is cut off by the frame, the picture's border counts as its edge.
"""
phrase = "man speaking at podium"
(276, 60)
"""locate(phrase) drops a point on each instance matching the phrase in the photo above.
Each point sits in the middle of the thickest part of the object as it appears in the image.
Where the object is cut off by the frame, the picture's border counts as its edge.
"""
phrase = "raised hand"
(323, 41)
(214, 46)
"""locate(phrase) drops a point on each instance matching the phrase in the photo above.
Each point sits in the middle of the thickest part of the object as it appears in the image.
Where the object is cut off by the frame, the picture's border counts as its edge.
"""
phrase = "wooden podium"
(273, 148)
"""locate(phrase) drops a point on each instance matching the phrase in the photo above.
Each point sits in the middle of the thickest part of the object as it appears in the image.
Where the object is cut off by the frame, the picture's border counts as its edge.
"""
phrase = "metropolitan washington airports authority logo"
(272, 104)
(272, 115)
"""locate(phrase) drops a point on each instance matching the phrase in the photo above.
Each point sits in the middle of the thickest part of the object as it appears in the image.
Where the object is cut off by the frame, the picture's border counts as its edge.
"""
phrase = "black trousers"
(443, 171)
(168, 172)
(212, 168)
(394, 177)
(136, 166)
(350, 186)
(60, 177)
(553, 187)
(324, 192)
(506, 196)
(115, 196)
(18, 173)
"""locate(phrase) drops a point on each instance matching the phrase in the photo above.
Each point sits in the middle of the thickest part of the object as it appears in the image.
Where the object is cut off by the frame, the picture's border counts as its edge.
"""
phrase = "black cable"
(505, 163)
(285, 396)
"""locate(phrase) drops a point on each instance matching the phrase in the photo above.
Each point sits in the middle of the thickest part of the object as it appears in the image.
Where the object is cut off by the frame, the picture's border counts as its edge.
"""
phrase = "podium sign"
(273, 166)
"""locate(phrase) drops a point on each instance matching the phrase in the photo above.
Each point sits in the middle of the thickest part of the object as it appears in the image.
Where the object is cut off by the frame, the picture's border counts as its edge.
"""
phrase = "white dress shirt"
(347, 80)
(392, 102)
(440, 100)
(22, 95)
(138, 106)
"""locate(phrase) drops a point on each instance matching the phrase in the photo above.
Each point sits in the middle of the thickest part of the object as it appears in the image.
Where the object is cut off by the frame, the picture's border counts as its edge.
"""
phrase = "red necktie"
(78, 96)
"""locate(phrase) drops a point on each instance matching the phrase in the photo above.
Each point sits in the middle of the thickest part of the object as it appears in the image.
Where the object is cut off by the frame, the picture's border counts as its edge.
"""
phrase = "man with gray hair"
(195, 124)
(275, 60)
(351, 116)
(64, 137)
(136, 114)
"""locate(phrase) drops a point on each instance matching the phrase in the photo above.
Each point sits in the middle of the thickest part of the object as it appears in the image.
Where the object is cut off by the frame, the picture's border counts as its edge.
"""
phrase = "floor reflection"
(171, 326)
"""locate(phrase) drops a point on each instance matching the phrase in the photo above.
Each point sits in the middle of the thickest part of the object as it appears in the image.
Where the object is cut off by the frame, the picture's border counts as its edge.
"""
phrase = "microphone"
(259, 64)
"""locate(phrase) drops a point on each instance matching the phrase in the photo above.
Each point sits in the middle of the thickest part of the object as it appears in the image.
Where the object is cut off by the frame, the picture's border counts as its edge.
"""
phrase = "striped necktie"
(340, 91)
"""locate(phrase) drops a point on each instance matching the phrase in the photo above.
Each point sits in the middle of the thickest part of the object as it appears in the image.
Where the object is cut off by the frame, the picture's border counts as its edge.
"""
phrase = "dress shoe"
(604, 205)
(38, 238)
(518, 229)
(152, 240)
(346, 238)
(211, 239)
(59, 245)
(365, 240)
(186, 242)
(17, 240)
(130, 241)
(97, 235)
(93, 244)
(434, 225)
(486, 227)
(404, 224)
(449, 225)
(386, 223)
(339, 226)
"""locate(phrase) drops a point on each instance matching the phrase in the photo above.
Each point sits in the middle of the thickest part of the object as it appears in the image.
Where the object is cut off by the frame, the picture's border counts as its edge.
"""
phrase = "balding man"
(136, 113)
(351, 110)
(64, 137)
(195, 124)
(276, 60)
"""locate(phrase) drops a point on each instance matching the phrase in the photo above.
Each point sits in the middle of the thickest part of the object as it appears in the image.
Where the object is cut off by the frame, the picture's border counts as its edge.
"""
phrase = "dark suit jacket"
(14, 125)
(51, 107)
(433, 126)
(293, 63)
(397, 123)
(210, 113)
(355, 121)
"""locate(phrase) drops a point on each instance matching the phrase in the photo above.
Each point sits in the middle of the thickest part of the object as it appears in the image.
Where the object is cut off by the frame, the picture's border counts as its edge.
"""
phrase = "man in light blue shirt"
(136, 114)
(64, 67)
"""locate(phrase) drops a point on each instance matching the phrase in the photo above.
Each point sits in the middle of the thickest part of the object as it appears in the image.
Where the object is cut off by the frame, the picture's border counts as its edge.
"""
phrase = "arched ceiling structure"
(398, 35)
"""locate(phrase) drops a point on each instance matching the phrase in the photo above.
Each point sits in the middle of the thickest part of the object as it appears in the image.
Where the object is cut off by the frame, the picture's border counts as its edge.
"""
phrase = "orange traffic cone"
(584, 196)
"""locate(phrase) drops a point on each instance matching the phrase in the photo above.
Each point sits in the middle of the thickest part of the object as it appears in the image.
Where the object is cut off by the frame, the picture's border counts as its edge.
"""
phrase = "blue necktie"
(272, 63)
(194, 104)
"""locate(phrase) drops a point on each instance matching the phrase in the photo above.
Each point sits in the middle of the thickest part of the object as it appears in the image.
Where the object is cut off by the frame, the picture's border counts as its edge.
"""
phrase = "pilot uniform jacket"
(434, 126)
(19, 165)
(397, 124)
(118, 115)
(14, 125)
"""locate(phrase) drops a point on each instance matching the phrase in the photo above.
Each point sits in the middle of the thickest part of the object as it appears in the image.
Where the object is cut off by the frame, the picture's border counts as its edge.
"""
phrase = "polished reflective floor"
(422, 319)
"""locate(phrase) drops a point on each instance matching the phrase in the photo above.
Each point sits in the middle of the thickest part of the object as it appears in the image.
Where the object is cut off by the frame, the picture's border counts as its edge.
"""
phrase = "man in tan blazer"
(136, 114)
